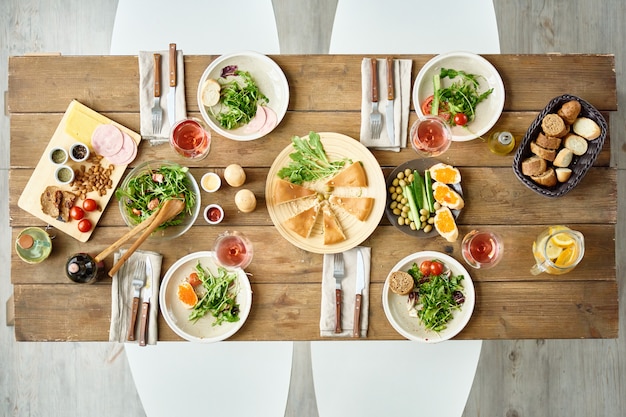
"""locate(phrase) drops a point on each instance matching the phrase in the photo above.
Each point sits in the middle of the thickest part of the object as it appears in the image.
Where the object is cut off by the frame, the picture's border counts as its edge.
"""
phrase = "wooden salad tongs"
(169, 210)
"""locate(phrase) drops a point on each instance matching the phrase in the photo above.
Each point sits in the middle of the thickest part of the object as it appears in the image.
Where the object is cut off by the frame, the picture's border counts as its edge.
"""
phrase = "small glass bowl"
(79, 152)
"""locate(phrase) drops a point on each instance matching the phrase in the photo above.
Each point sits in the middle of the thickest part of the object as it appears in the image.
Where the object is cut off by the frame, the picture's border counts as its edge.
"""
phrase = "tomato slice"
(427, 107)
(194, 280)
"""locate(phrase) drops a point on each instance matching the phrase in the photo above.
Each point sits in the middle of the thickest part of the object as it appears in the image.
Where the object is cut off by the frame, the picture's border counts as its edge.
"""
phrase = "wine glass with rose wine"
(233, 249)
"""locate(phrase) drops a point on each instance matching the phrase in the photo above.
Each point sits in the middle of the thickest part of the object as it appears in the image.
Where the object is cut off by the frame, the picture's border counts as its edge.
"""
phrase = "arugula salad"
(216, 295)
(436, 295)
(144, 193)
(309, 162)
(457, 102)
(239, 98)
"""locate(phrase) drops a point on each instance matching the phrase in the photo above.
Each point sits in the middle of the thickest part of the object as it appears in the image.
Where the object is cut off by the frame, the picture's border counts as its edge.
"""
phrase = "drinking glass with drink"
(557, 250)
(482, 249)
(430, 136)
(190, 139)
(233, 250)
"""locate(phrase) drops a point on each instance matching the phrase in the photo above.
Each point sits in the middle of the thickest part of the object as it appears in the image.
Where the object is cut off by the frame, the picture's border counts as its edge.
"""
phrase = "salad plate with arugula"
(243, 96)
(440, 303)
(222, 298)
(464, 89)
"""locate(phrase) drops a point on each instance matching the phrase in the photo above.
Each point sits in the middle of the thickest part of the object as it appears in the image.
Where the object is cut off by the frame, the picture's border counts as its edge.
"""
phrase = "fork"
(375, 117)
(139, 279)
(157, 111)
(339, 274)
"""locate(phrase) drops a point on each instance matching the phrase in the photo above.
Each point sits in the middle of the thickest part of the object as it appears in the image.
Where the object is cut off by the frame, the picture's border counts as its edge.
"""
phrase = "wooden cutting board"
(77, 125)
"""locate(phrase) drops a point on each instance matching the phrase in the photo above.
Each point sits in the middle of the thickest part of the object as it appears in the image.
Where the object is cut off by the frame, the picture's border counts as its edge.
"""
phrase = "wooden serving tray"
(77, 125)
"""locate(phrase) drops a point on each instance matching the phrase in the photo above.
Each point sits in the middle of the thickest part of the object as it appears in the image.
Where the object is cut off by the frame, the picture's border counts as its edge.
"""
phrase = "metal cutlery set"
(339, 275)
(142, 284)
(157, 110)
(376, 120)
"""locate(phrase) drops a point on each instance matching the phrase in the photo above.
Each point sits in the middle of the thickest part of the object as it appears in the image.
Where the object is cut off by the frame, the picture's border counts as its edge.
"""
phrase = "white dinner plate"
(410, 327)
(177, 315)
(268, 77)
(487, 112)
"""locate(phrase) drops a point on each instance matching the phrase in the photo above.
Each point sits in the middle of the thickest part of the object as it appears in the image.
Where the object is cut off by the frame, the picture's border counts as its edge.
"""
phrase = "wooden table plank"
(110, 83)
(287, 311)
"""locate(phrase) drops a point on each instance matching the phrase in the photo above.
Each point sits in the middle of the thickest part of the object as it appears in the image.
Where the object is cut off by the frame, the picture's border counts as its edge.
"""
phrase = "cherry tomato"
(436, 268)
(90, 204)
(84, 225)
(425, 268)
(460, 119)
(77, 213)
(193, 279)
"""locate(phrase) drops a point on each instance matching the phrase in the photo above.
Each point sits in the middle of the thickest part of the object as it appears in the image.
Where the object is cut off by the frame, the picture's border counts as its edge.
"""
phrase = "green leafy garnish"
(218, 296)
(437, 297)
(309, 162)
(145, 192)
(239, 99)
(460, 97)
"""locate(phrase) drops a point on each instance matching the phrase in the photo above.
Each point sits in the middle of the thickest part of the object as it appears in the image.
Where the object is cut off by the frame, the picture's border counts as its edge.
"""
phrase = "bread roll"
(548, 142)
(401, 282)
(586, 128)
(553, 125)
(569, 111)
(563, 158)
(563, 174)
(534, 165)
(547, 154)
(547, 179)
(576, 144)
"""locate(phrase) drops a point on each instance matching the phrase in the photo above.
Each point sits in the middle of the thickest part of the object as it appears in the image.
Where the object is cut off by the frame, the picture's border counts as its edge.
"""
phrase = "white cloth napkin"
(122, 298)
(402, 101)
(146, 91)
(328, 310)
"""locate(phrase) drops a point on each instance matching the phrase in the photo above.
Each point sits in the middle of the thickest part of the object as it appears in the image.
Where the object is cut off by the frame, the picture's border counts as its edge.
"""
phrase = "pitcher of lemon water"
(557, 250)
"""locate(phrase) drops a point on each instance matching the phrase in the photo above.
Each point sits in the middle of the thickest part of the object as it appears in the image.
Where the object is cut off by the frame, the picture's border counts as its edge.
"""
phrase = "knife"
(171, 97)
(360, 285)
(146, 294)
(390, 98)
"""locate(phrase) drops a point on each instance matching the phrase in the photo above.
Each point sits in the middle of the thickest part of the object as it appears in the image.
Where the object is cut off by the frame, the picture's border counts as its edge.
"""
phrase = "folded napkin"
(146, 91)
(402, 101)
(327, 320)
(122, 292)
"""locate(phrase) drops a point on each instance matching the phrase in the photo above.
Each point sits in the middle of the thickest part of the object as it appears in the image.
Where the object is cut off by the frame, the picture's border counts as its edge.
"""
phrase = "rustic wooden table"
(325, 96)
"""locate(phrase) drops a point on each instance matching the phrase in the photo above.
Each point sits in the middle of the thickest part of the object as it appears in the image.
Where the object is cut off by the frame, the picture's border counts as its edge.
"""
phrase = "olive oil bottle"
(501, 143)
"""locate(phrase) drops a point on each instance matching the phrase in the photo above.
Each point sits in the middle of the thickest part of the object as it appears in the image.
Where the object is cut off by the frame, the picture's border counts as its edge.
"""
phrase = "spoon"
(169, 210)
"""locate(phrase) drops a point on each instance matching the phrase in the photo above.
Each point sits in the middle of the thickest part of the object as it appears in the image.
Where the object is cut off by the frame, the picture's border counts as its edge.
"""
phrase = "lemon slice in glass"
(566, 258)
(562, 239)
(553, 251)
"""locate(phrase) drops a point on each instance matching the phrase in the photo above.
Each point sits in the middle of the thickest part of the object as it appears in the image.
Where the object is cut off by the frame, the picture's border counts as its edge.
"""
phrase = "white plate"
(410, 327)
(176, 315)
(487, 112)
(267, 75)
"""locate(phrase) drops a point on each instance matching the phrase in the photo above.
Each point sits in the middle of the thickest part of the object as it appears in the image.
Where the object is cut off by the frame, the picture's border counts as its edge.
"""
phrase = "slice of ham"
(257, 121)
(270, 121)
(107, 140)
(126, 154)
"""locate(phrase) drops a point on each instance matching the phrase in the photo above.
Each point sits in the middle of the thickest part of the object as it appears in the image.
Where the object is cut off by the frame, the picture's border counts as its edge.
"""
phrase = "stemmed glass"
(233, 249)
(482, 249)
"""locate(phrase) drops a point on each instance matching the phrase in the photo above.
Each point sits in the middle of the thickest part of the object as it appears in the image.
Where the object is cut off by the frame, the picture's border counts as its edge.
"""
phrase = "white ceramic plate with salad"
(271, 82)
(487, 112)
(397, 312)
(176, 313)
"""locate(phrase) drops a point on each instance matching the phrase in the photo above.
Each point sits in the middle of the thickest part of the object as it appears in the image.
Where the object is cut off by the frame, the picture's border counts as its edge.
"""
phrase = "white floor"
(514, 378)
